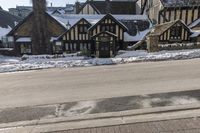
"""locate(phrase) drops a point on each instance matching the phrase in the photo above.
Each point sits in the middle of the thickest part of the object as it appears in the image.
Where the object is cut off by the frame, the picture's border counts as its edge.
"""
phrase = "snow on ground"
(13, 64)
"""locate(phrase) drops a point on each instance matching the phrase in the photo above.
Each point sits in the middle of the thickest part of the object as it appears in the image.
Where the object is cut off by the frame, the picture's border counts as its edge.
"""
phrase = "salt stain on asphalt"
(84, 107)
(99, 106)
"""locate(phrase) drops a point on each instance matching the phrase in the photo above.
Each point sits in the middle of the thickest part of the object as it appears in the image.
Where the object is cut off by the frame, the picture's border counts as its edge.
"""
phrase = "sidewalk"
(158, 120)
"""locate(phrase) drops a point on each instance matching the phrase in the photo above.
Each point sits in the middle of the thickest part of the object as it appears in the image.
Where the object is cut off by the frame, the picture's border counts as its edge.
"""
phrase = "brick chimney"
(40, 35)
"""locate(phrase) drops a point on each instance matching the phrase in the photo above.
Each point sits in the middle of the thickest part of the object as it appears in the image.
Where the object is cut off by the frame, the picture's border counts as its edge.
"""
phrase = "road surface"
(75, 84)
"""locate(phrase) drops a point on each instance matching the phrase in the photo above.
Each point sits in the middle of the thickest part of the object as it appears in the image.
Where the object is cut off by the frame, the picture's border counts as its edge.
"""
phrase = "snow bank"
(12, 64)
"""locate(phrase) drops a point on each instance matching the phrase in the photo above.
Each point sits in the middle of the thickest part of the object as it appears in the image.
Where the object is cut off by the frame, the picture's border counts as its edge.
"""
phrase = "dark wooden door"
(104, 50)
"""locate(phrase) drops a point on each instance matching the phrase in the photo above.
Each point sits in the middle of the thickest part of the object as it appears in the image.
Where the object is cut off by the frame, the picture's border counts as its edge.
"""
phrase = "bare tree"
(40, 35)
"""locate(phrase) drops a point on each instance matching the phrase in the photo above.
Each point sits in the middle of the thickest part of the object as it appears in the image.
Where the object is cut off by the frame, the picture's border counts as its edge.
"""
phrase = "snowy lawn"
(12, 64)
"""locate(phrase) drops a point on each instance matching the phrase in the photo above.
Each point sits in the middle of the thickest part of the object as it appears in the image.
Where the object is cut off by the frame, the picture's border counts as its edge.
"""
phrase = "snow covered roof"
(7, 22)
(138, 37)
(24, 39)
(195, 34)
(195, 24)
(138, 25)
(93, 19)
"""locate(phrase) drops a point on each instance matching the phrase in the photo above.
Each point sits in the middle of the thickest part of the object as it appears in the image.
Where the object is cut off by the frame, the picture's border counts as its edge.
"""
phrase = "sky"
(5, 4)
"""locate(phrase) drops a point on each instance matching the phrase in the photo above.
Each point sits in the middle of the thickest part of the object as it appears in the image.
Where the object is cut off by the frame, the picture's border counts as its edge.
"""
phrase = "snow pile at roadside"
(12, 64)
(162, 55)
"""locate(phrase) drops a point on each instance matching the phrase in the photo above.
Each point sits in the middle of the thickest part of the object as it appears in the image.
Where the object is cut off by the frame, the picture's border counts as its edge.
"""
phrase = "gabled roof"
(26, 18)
(82, 19)
(113, 18)
(195, 24)
(94, 18)
(161, 28)
(113, 7)
(138, 25)
(8, 20)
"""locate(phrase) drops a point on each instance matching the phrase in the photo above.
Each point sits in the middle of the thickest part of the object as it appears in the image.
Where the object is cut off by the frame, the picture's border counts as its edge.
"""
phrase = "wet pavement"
(99, 106)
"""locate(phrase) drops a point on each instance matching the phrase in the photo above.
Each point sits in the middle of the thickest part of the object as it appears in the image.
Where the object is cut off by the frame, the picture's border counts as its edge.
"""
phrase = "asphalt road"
(76, 84)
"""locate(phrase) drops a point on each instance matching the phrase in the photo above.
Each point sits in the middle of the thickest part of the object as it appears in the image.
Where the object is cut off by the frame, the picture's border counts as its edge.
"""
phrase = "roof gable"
(29, 17)
(83, 19)
(161, 28)
(8, 20)
(109, 16)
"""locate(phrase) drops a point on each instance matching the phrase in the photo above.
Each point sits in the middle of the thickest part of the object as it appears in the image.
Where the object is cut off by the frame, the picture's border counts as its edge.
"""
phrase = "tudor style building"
(161, 11)
(103, 39)
(168, 36)
(22, 34)
(176, 21)
(107, 36)
(100, 35)
(174, 31)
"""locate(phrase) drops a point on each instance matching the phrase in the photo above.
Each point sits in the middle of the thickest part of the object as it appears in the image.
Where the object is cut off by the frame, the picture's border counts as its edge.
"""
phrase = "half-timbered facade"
(108, 32)
(173, 32)
(102, 35)
(161, 11)
(98, 35)
(169, 36)
(77, 37)
(188, 14)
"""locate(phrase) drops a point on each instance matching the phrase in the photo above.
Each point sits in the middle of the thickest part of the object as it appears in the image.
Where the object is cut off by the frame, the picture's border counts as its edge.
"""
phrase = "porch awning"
(24, 39)
(53, 39)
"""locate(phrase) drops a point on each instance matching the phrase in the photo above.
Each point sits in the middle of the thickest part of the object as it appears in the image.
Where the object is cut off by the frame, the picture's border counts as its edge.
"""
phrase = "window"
(176, 31)
(8, 42)
(25, 48)
(58, 48)
(108, 27)
(82, 28)
(104, 39)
